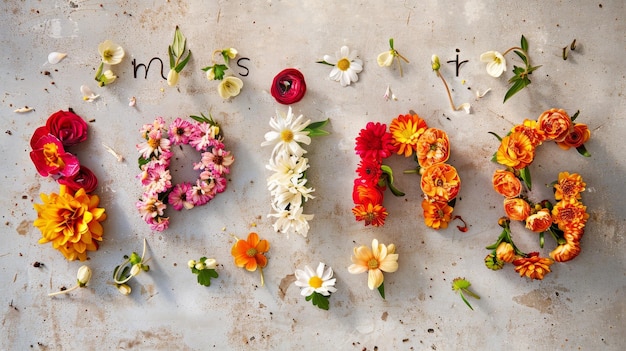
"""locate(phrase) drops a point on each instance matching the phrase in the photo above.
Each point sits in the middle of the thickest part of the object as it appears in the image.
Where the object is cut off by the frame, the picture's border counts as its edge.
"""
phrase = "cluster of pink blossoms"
(154, 160)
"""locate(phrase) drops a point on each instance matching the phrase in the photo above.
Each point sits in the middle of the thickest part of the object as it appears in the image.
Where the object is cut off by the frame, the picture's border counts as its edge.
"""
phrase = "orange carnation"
(555, 123)
(576, 138)
(533, 266)
(441, 182)
(516, 150)
(565, 252)
(406, 130)
(433, 147)
(437, 214)
(517, 209)
(540, 221)
(569, 186)
(506, 183)
(570, 215)
(529, 128)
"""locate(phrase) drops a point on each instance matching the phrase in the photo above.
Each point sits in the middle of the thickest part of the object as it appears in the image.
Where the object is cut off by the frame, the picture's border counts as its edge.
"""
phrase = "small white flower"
(210, 74)
(172, 78)
(320, 281)
(285, 168)
(210, 263)
(287, 134)
(229, 87)
(83, 276)
(230, 52)
(110, 52)
(124, 289)
(385, 59)
(191, 263)
(496, 63)
(88, 94)
(107, 78)
(346, 66)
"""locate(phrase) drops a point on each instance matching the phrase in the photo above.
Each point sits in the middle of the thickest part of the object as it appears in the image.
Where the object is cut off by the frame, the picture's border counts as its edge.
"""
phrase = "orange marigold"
(249, 253)
(373, 214)
(570, 215)
(533, 266)
(440, 182)
(516, 150)
(406, 130)
(71, 221)
(433, 147)
(437, 214)
(517, 209)
(506, 183)
(555, 123)
(576, 138)
(569, 186)
(529, 128)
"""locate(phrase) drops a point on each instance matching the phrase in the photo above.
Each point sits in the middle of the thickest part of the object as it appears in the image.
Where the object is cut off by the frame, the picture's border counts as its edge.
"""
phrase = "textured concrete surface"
(580, 306)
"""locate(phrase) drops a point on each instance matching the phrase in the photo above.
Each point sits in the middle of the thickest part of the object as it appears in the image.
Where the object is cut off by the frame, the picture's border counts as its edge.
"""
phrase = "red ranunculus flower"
(363, 193)
(68, 127)
(288, 86)
(50, 158)
(84, 178)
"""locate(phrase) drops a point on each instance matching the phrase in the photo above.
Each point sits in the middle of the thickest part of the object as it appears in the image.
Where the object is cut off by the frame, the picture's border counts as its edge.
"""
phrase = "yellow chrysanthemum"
(70, 221)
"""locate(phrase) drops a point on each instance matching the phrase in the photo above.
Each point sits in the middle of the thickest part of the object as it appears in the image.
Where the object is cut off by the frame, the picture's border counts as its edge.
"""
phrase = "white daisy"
(287, 134)
(346, 66)
(320, 281)
(285, 168)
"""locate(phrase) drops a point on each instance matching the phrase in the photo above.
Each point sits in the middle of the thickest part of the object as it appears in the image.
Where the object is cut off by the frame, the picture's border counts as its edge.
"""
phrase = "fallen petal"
(56, 57)
(465, 107)
(23, 109)
(479, 95)
(132, 101)
(88, 94)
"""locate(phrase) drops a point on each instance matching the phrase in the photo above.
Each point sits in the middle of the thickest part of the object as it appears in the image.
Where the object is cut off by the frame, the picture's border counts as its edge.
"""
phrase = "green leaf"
(573, 118)
(381, 290)
(183, 63)
(531, 69)
(317, 125)
(524, 44)
(319, 300)
(205, 275)
(388, 174)
(516, 87)
(172, 56)
(219, 71)
(583, 151)
(525, 175)
(522, 56)
(391, 43)
(325, 63)
(179, 43)
(142, 161)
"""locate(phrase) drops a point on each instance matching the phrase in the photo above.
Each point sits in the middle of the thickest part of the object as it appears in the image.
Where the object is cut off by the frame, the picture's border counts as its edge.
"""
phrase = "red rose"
(84, 178)
(288, 86)
(70, 128)
(50, 158)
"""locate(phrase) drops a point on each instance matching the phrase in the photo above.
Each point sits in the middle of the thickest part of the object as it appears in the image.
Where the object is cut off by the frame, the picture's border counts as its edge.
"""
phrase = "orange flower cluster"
(71, 221)
(565, 220)
(517, 149)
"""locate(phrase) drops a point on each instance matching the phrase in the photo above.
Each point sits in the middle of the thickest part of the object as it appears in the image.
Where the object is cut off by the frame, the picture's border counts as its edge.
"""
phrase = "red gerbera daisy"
(374, 142)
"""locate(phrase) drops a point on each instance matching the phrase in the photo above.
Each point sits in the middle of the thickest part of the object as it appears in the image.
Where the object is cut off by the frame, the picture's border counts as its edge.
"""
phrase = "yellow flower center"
(343, 64)
(315, 282)
(153, 143)
(286, 135)
(107, 54)
(50, 151)
(372, 264)
(251, 252)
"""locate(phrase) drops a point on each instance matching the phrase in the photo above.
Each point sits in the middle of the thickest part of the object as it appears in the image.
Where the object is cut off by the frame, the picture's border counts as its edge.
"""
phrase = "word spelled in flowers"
(381, 258)
(111, 54)
(317, 285)
(250, 253)
(155, 154)
(288, 183)
(204, 268)
(565, 220)
(71, 219)
(230, 86)
(346, 66)
(176, 51)
(131, 267)
(496, 65)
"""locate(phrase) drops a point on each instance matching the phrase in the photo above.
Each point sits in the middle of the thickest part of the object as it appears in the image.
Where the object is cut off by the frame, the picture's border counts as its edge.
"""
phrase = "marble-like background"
(579, 306)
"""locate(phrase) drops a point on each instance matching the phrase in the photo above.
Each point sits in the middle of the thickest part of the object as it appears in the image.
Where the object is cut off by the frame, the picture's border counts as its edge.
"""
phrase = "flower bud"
(83, 276)
(434, 61)
(172, 78)
(124, 289)
(505, 252)
(191, 263)
(200, 266)
(210, 263)
(493, 263)
(385, 59)
(230, 52)
(210, 74)
(136, 269)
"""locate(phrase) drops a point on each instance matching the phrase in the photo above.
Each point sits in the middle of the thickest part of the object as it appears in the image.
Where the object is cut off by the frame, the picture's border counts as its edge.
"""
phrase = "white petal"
(330, 59)
(56, 57)
(465, 107)
(495, 69)
(488, 56)
(345, 52)
(23, 109)
(345, 79)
